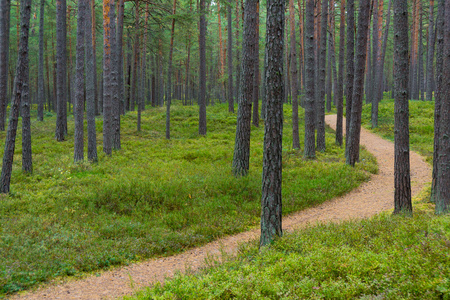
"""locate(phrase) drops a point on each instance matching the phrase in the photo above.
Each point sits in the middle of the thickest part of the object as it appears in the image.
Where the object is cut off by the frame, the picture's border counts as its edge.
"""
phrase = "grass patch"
(385, 257)
(154, 197)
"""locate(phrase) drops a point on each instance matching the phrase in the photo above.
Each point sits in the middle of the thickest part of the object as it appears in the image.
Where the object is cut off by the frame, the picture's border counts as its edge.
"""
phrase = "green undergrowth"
(154, 197)
(421, 124)
(385, 257)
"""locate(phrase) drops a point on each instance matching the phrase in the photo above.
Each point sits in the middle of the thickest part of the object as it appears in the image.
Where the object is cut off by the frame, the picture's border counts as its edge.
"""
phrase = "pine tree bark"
(420, 59)
(271, 202)
(375, 48)
(61, 69)
(169, 73)
(402, 182)
(379, 80)
(27, 163)
(310, 149)
(41, 94)
(340, 83)
(4, 58)
(358, 83)
(329, 72)
(442, 197)
(91, 83)
(255, 115)
(294, 78)
(430, 54)
(120, 101)
(321, 77)
(202, 71)
(108, 60)
(350, 70)
(18, 93)
(241, 155)
(230, 61)
(94, 57)
(79, 84)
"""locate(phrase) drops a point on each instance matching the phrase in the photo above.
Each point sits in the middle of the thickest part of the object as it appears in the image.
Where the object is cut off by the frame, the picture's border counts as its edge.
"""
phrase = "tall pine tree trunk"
(402, 182)
(271, 203)
(61, 69)
(91, 83)
(430, 54)
(241, 155)
(340, 83)
(358, 83)
(169, 73)
(350, 69)
(79, 84)
(4, 58)
(294, 78)
(41, 94)
(230, 62)
(310, 147)
(321, 79)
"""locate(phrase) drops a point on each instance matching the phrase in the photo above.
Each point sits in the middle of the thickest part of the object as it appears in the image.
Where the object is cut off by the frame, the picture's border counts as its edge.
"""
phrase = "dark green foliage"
(386, 257)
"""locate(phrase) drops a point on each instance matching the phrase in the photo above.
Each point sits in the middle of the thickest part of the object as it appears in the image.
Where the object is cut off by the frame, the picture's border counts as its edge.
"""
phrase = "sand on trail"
(368, 199)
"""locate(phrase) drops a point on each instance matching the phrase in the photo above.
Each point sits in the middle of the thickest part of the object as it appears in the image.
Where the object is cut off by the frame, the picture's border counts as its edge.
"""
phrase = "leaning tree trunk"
(350, 69)
(61, 69)
(41, 94)
(79, 84)
(241, 155)
(442, 197)
(4, 58)
(90, 87)
(321, 79)
(169, 74)
(340, 84)
(402, 182)
(272, 159)
(358, 83)
(310, 147)
(294, 78)
(19, 91)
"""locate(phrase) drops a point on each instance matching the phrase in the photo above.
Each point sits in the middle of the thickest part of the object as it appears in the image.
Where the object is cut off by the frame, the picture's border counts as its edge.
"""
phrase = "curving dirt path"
(370, 198)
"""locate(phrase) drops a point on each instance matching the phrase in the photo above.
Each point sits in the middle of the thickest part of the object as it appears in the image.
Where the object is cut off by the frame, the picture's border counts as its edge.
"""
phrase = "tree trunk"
(19, 92)
(120, 101)
(442, 195)
(79, 84)
(241, 155)
(271, 204)
(91, 83)
(321, 79)
(430, 54)
(230, 62)
(294, 78)
(375, 48)
(350, 69)
(61, 69)
(238, 69)
(108, 61)
(379, 79)
(420, 60)
(4, 58)
(256, 77)
(169, 73)
(340, 84)
(41, 94)
(133, 95)
(358, 83)
(402, 183)
(310, 149)
(94, 53)
(329, 74)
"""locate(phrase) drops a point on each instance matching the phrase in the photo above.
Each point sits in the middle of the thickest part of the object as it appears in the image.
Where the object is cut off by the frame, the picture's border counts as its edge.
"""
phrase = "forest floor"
(368, 199)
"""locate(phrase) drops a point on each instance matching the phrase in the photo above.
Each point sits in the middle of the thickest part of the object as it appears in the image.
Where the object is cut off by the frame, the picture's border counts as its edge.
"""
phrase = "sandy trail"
(370, 198)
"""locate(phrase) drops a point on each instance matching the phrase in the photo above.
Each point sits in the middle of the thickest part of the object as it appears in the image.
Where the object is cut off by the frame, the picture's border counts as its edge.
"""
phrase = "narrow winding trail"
(370, 198)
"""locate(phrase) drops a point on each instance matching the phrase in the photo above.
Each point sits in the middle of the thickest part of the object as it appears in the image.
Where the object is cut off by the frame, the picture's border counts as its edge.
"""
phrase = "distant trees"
(402, 197)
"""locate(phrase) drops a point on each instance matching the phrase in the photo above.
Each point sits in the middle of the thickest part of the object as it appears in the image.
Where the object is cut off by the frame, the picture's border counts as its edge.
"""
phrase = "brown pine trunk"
(61, 61)
(256, 77)
(4, 58)
(294, 78)
(310, 149)
(340, 84)
(230, 62)
(402, 182)
(169, 74)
